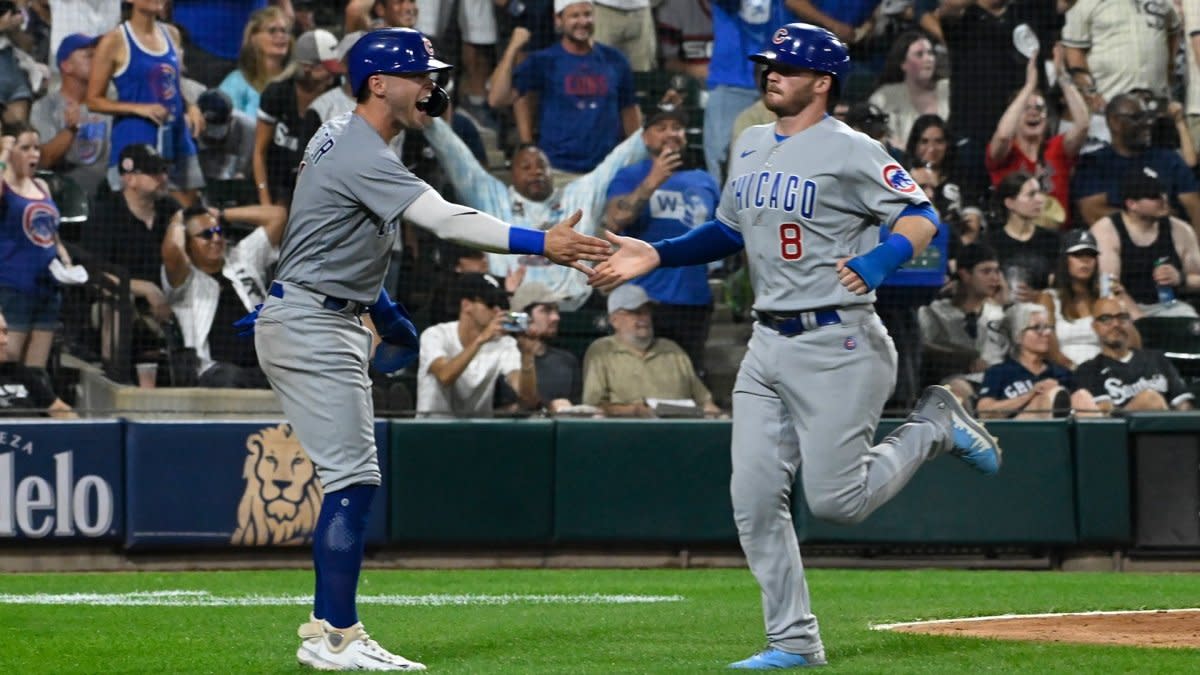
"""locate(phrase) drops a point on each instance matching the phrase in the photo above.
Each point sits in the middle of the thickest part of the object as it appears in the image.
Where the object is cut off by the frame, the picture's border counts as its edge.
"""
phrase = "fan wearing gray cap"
(286, 120)
(1154, 254)
(461, 361)
(560, 381)
(226, 148)
(659, 198)
(624, 372)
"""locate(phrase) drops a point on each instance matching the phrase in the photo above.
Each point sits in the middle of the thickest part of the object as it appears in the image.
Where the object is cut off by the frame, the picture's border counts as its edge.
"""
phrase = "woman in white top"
(908, 86)
(1069, 301)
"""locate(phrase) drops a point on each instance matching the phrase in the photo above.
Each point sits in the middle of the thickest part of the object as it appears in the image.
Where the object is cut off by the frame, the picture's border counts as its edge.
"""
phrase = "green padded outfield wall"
(634, 480)
(1103, 481)
(1031, 500)
(472, 481)
(667, 481)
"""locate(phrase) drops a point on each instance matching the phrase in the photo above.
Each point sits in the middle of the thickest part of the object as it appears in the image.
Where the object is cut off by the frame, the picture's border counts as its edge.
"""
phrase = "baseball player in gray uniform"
(801, 196)
(351, 193)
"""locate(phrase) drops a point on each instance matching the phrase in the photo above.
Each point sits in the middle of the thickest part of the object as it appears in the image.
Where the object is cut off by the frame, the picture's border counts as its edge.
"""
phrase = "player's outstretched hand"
(850, 278)
(567, 247)
(633, 258)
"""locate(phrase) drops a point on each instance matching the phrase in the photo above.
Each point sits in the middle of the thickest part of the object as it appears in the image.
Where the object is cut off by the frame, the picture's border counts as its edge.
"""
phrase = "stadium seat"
(1178, 337)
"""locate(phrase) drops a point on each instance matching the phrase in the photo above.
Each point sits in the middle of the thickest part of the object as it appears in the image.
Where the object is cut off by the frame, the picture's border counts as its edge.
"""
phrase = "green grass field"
(717, 620)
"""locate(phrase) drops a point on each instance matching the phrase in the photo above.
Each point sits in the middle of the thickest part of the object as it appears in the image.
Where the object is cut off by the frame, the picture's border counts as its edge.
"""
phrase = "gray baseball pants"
(316, 361)
(812, 402)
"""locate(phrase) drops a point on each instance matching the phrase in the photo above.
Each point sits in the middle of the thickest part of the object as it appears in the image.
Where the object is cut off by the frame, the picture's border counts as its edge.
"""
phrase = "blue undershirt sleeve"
(711, 241)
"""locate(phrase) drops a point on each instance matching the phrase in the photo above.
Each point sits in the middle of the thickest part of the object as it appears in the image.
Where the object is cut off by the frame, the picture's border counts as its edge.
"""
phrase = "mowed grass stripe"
(720, 621)
(175, 598)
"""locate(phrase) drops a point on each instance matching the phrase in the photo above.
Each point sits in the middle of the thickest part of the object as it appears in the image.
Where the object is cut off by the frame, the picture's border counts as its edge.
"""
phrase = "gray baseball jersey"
(346, 210)
(803, 203)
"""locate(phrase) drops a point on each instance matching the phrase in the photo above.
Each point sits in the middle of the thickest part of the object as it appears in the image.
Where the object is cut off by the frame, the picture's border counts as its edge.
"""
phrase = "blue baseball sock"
(338, 552)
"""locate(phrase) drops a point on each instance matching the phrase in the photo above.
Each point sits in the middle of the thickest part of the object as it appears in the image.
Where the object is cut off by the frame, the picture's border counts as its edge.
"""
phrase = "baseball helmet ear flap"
(435, 104)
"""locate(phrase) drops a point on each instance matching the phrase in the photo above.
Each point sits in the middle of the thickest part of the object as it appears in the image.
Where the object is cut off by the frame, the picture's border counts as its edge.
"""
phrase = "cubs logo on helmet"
(895, 177)
(802, 45)
(392, 51)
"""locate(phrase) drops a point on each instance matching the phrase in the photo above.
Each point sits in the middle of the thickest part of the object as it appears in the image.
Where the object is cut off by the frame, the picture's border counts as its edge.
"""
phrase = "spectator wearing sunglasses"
(1121, 377)
(1028, 385)
(1096, 185)
(211, 283)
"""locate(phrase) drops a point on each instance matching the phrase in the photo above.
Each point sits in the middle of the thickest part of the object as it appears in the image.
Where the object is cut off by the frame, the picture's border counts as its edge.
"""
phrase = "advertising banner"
(61, 480)
(228, 484)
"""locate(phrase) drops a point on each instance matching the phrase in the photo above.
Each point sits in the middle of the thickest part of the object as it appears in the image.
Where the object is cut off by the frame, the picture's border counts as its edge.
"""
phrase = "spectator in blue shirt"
(657, 199)
(1028, 385)
(740, 28)
(1096, 185)
(584, 90)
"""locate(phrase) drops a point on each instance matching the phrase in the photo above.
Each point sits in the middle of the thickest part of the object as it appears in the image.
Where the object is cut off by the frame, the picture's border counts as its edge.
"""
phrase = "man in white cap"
(579, 84)
(623, 371)
(559, 380)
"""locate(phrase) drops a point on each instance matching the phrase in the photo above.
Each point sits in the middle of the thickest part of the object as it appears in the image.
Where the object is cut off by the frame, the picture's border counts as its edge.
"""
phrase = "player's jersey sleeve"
(877, 184)
(382, 184)
(727, 206)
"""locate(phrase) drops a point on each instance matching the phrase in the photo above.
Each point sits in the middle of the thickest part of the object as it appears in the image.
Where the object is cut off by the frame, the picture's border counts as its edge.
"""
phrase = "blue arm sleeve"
(924, 210)
(711, 241)
(525, 240)
(879, 263)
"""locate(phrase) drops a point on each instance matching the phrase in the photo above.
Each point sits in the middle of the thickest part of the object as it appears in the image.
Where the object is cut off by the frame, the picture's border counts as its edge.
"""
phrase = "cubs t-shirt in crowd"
(580, 100)
(687, 199)
(740, 29)
(1109, 379)
(1009, 379)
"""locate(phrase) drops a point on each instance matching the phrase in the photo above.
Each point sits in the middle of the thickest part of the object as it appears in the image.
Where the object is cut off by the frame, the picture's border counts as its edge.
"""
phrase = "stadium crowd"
(150, 150)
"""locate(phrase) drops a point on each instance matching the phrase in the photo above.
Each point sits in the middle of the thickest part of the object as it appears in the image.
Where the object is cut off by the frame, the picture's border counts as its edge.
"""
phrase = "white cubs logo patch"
(898, 179)
(428, 46)
(780, 36)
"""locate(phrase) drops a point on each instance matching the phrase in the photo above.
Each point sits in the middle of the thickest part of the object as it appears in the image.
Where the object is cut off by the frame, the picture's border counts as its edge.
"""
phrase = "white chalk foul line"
(179, 598)
(1050, 615)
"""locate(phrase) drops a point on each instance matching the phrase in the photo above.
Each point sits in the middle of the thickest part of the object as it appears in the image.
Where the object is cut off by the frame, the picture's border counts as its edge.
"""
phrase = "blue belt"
(792, 323)
(331, 303)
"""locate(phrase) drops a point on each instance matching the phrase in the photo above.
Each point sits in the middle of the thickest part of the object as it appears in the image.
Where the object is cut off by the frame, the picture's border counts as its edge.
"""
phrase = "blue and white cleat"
(776, 659)
(972, 442)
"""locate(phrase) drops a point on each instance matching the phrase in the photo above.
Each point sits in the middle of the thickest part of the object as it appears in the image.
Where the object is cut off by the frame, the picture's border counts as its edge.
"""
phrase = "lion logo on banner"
(283, 497)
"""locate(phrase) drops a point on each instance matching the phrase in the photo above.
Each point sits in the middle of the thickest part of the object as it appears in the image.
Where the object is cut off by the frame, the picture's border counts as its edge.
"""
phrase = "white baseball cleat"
(346, 649)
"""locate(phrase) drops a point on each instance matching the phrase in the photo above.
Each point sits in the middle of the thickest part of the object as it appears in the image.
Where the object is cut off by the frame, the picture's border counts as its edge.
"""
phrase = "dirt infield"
(1176, 628)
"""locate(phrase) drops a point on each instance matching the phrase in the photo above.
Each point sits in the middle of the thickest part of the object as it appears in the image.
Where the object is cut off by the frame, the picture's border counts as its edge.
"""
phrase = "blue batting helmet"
(803, 45)
(393, 51)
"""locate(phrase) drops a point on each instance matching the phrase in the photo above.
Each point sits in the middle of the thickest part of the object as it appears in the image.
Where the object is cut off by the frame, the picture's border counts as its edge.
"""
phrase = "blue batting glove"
(390, 358)
(245, 325)
(393, 323)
